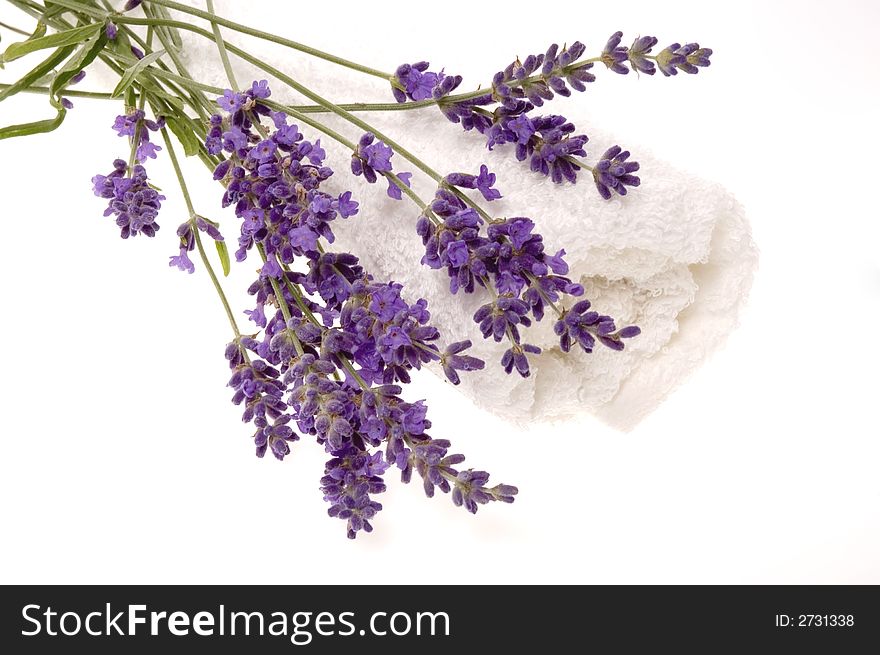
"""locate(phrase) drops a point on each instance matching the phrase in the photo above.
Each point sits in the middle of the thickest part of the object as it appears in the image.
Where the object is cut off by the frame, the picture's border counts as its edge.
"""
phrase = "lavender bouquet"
(329, 347)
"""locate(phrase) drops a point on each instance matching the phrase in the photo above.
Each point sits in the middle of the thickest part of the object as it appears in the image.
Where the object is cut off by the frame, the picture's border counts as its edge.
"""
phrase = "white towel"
(675, 256)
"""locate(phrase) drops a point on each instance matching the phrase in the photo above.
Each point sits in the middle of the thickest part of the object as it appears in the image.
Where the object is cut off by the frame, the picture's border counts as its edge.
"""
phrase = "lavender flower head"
(415, 82)
(373, 158)
(615, 173)
(131, 199)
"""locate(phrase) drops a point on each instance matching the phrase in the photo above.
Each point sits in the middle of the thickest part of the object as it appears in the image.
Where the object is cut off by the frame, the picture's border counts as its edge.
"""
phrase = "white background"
(123, 460)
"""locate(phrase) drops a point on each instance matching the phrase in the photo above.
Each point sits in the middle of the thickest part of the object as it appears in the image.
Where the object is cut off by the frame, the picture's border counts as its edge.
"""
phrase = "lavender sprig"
(548, 142)
(508, 259)
(132, 200)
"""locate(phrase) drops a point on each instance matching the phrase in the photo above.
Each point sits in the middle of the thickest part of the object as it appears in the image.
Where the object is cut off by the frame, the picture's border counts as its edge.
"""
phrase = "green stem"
(14, 29)
(216, 282)
(291, 111)
(73, 93)
(369, 106)
(579, 163)
(199, 246)
(282, 303)
(169, 37)
(421, 104)
(266, 36)
(221, 47)
(142, 100)
(179, 173)
(216, 21)
(186, 82)
(75, 5)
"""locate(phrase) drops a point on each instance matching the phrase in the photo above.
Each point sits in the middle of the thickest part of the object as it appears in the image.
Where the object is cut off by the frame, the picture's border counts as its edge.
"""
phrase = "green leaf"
(184, 134)
(121, 44)
(36, 73)
(224, 256)
(172, 32)
(172, 100)
(82, 58)
(128, 77)
(37, 127)
(57, 40)
(39, 30)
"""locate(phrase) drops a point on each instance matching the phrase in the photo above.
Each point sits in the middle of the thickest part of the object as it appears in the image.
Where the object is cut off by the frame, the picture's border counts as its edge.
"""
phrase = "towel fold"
(674, 256)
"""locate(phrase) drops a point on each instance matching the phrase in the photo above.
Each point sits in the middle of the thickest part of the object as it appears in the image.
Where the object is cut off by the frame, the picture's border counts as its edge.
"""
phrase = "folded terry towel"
(675, 256)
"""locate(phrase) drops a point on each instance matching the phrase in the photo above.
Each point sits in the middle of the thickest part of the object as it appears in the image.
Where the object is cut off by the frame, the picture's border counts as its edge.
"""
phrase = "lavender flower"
(670, 60)
(349, 480)
(415, 82)
(137, 128)
(638, 54)
(131, 200)
(689, 58)
(582, 326)
(394, 190)
(614, 172)
(452, 361)
(509, 259)
(539, 77)
(188, 241)
(614, 54)
(256, 385)
(483, 182)
(373, 158)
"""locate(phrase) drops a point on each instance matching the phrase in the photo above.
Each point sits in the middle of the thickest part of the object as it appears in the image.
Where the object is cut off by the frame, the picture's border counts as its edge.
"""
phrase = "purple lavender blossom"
(394, 191)
(688, 58)
(582, 326)
(453, 361)
(257, 387)
(614, 54)
(538, 78)
(182, 261)
(483, 182)
(136, 126)
(350, 478)
(518, 89)
(188, 241)
(415, 82)
(638, 54)
(615, 173)
(273, 182)
(131, 200)
(508, 258)
(373, 158)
